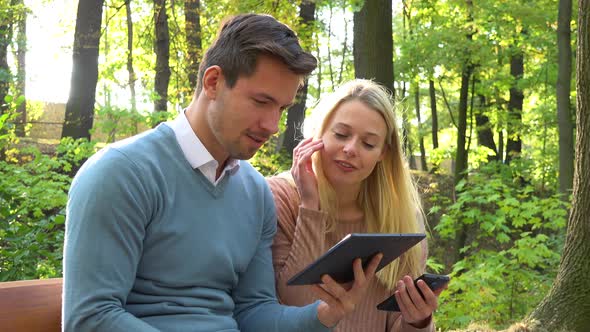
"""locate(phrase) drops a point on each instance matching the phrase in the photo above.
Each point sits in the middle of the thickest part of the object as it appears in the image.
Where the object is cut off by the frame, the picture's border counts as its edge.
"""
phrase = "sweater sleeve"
(107, 210)
(300, 239)
(255, 296)
(397, 324)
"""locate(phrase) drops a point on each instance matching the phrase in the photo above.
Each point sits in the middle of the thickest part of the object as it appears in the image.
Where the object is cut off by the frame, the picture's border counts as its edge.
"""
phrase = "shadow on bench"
(31, 305)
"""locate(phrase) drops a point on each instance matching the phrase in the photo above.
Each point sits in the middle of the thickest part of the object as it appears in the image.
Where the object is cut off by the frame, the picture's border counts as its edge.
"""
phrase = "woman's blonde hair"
(388, 197)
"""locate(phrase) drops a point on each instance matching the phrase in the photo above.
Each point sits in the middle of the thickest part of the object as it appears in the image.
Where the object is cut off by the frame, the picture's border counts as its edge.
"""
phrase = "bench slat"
(31, 305)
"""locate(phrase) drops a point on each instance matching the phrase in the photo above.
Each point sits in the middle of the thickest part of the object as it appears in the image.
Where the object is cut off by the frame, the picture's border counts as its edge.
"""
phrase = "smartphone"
(434, 281)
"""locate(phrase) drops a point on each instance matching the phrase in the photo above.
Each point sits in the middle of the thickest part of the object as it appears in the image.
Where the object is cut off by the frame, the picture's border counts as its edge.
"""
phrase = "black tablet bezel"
(337, 262)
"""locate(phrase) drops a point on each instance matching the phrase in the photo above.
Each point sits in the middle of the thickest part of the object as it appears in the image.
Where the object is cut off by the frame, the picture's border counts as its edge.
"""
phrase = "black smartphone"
(434, 281)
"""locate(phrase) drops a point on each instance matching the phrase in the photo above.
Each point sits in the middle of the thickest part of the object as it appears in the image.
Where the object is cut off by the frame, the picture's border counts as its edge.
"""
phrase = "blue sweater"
(152, 245)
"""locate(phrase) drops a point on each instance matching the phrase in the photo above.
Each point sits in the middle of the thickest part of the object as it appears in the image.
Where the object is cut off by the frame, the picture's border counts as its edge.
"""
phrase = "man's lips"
(261, 139)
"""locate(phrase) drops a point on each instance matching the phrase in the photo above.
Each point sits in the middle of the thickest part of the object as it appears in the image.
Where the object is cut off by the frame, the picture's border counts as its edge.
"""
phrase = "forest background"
(486, 97)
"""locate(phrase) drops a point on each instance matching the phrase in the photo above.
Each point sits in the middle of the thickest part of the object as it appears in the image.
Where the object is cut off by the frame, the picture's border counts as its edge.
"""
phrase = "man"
(169, 230)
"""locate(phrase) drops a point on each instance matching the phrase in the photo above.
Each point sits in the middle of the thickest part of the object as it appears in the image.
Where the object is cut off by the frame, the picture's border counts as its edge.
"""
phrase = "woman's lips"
(346, 166)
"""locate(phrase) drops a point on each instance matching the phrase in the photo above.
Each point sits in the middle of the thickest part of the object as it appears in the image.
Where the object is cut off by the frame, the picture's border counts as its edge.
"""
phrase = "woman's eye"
(339, 135)
(369, 146)
(259, 102)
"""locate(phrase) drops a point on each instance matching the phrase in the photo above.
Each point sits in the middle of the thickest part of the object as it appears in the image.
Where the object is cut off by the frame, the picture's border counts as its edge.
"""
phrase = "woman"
(349, 176)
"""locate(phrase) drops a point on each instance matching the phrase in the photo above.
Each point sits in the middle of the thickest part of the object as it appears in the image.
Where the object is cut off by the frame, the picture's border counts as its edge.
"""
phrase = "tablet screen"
(337, 262)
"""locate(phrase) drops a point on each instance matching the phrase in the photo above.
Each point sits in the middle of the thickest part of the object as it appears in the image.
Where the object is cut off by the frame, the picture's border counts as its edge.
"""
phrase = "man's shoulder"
(249, 172)
(129, 153)
(149, 140)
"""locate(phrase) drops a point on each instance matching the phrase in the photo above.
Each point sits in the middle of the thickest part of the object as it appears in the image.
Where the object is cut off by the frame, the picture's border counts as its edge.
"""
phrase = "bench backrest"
(31, 305)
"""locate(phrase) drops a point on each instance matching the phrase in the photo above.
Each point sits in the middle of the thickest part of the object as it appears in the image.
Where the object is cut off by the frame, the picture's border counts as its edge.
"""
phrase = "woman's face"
(354, 141)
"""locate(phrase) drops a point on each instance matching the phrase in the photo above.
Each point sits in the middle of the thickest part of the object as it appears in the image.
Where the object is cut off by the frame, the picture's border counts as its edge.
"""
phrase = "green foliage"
(7, 127)
(73, 153)
(5, 135)
(512, 249)
(33, 195)
(268, 162)
(117, 122)
(154, 118)
(515, 224)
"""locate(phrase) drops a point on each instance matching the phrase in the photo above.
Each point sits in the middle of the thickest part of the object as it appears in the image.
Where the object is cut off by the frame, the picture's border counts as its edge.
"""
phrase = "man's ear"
(212, 80)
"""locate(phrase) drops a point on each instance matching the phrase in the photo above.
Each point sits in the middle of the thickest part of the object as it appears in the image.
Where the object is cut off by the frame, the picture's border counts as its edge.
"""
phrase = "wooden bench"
(31, 305)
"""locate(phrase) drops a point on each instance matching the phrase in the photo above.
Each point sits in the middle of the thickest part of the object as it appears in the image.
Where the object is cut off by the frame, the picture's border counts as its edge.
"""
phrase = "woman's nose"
(350, 149)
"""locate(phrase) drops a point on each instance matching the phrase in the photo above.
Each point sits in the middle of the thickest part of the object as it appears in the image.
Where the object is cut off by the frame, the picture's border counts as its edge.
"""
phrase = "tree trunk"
(514, 125)
(373, 42)
(296, 114)
(21, 74)
(485, 135)
(566, 306)
(105, 55)
(433, 113)
(5, 74)
(461, 154)
(564, 117)
(319, 68)
(130, 71)
(329, 42)
(500, 143)
(423, 165)
(162, 48)
(344, 47)
(192, 16)
(80, 106)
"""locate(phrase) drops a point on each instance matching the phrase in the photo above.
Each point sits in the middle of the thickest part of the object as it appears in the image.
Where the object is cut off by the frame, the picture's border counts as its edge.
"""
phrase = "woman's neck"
(348, 207)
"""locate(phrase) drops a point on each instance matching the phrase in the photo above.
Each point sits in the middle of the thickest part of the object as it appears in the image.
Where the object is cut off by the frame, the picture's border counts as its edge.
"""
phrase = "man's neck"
(196, 116)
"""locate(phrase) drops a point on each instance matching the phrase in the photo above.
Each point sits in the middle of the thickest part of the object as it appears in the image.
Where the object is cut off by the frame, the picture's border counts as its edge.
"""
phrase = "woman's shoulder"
(283, 185)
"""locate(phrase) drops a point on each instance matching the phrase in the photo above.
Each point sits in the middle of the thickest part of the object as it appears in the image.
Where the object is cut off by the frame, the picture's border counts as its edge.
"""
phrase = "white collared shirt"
(195, 152)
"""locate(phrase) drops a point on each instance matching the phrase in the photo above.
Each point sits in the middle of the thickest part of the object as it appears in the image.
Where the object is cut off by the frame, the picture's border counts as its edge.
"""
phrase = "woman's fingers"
(430, 298)
(302, 157)
(325, 296)
(303, 174)
(333, 287)
(413, 292)
(372, 267)
(301, 145)
(308, 150)
(414, 306)
(404, 301)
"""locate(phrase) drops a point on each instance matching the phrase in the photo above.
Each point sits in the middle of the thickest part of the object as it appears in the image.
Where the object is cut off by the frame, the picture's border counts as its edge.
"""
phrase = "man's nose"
(270, 121)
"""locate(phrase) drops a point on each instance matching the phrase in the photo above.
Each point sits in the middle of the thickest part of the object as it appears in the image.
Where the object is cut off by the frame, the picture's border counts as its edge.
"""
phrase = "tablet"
(337, 262)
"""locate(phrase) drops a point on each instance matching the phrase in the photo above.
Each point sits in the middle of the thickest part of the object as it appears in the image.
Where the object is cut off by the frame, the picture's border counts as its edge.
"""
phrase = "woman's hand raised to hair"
(303, 174)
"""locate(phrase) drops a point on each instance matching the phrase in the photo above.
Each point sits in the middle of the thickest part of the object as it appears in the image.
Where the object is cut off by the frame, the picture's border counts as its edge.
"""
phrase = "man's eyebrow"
(270, 98)
(262, 95)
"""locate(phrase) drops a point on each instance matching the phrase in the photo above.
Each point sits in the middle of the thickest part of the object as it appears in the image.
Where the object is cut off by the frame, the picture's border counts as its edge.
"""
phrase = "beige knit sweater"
(300, 239)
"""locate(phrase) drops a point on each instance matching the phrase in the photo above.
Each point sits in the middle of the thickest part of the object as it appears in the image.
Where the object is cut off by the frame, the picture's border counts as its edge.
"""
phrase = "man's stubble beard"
(216, 122)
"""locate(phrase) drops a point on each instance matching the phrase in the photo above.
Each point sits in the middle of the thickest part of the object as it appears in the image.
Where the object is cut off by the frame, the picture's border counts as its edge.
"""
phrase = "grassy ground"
(476, 327)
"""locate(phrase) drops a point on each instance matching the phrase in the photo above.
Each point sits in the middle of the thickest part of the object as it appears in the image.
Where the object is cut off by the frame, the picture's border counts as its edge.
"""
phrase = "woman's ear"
(212, 78)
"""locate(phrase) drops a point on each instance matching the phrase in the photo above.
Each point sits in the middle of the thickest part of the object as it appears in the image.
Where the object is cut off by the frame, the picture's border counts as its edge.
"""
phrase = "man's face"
(244, 117)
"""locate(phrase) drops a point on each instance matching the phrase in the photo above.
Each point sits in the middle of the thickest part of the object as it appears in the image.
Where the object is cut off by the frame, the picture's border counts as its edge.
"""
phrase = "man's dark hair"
(243, 38)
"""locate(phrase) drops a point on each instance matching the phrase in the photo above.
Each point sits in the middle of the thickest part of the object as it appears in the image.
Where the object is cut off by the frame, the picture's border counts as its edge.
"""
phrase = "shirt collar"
(193, 149)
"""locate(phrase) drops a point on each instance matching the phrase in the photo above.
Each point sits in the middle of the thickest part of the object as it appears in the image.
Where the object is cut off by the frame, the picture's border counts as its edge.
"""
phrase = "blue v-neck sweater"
(152, 245)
